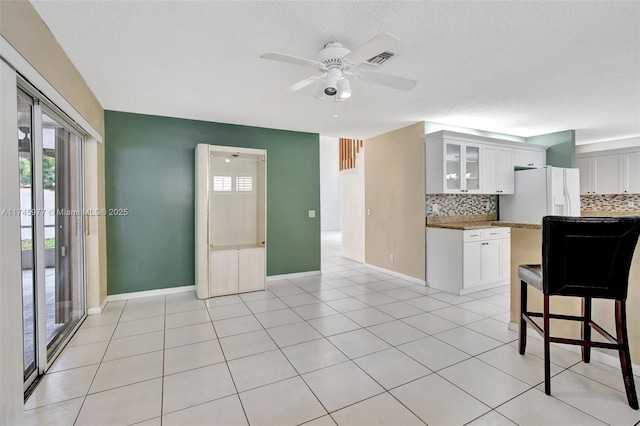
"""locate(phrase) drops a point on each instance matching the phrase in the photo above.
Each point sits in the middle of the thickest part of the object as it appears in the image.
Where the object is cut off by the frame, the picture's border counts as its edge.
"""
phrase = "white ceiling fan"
(335, 64)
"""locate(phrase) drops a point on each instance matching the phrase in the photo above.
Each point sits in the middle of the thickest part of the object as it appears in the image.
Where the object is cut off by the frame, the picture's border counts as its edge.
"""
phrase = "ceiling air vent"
(380, 58)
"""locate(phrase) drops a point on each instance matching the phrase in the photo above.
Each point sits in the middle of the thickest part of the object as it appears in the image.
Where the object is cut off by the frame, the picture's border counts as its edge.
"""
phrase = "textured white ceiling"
(522, 68)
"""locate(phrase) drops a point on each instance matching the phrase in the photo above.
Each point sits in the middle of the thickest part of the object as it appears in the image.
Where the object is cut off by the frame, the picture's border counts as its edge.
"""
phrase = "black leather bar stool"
(587, 257)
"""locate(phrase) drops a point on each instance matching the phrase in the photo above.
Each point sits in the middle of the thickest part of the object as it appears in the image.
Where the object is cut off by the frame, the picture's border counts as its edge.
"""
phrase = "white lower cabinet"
(236, 271)
(462, 262)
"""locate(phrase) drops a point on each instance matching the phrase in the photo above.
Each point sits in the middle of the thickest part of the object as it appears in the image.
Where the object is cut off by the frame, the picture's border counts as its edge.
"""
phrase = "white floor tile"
(61, 386)
(341, 385)
(132, 312)
(261, 369)
(600, 401)
(429, 323)
(317, 310)
(141, 326)
(492, 418)
(96, 334)
(368, 317)
(101, 319)
(61, 413)
(483, 308)
(124, 405)
(190, 334)
(400, 310)
(313, 355)
(289, 402)
(277, 318)
(432, 353)
(266, 305)
(484, 382)
(229, 311)
(559, 355)
(426, 303)
(534, 408)
(468, 340)
(451, 299)
(134, 345)
(292, 334)
(299, 300)
(126, 371)
(192, 356)
(528, 368)
(458, 315)
(604, 374)
(321, 421)
(80, 356)
(184, 305)
(257, 295)
(246, 344)
(357, 343)
(329, 294)
(182, 319)
(401, 294)
(356, 290)
(391, 368)
(381, 410)
(438, 402)
(396, 332)
(195, 387)
(333, 324)
(375, 299)
(238, 325)
(232, 299)
(494, 329)
(225, 411)
(380, 286)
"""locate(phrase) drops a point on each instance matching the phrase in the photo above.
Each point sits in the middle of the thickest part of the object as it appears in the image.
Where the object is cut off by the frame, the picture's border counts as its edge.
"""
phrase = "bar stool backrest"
(588, 256)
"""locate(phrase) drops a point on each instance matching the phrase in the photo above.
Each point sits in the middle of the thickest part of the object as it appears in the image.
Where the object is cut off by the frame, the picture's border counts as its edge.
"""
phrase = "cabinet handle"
(474, 235)
(485, 244)
(530, 164)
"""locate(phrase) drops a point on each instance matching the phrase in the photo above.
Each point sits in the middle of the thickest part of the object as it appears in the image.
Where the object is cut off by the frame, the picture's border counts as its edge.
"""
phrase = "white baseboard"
(397, 274)
(294, 275)
(147, 293)
(99, 309)
(596, 355)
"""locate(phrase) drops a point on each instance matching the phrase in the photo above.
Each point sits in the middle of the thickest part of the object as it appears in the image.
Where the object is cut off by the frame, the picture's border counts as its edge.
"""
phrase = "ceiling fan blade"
(387, 80)
(380, 43)
(303, 83)
(281, 57)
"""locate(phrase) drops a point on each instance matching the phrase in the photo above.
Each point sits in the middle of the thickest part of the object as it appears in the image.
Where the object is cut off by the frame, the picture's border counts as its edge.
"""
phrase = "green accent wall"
(149, 170)
(562, 147)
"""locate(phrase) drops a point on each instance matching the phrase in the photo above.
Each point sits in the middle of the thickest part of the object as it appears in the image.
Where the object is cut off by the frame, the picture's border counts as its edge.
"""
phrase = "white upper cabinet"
(529, 158)
(458, 163)
(609, 172)
(497, 170)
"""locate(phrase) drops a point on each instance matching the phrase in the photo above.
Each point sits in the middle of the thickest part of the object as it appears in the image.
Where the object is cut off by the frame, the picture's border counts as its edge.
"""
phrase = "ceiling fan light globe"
(344, 89)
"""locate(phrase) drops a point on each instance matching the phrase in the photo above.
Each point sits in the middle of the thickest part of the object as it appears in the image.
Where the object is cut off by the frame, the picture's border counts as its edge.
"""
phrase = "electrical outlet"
(368, 212)
(391, 258)
(630, 204)
(435, 208)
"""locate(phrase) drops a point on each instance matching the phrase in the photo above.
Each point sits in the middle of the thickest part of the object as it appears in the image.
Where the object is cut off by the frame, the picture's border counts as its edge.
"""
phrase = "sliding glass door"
(52, 224)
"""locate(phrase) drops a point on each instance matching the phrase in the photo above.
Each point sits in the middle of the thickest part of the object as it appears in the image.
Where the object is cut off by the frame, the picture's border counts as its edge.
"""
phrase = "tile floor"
(353, 346)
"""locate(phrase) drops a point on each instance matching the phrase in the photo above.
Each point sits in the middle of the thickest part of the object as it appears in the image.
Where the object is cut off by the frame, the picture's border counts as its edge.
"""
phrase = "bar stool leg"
(625, 356)
(586, 328)
(547, 348)
(522, 342)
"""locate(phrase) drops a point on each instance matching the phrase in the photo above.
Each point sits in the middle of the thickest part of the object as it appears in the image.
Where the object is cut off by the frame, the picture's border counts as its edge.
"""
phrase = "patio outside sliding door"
(52, 219)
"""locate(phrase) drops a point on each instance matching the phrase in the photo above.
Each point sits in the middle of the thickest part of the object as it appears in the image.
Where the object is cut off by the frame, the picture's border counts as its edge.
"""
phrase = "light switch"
(312, 213)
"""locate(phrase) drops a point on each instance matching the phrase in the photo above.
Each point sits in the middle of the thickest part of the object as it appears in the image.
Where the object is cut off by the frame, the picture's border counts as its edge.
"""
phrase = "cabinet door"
(453, 167)
(471, 168)
(631, 170)
(251, 269)
(505, 175)
(529, 158)
(607, 173)
(488, 173)
(586, 175)
(491, 261)
(472, 264)
(223, 272)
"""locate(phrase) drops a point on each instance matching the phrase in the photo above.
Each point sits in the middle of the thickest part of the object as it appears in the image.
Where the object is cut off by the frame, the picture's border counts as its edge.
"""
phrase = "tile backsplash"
(611, 203)
(460, 204)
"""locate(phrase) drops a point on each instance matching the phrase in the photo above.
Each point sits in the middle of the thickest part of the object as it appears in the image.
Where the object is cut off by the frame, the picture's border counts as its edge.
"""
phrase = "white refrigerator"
(542, 192)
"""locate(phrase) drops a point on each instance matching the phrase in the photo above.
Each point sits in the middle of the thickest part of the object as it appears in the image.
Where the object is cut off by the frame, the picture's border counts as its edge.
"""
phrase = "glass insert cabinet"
(230, 220)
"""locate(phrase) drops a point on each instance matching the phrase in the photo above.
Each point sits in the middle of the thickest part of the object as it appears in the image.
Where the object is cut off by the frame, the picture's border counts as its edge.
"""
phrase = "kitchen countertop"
(463, 226)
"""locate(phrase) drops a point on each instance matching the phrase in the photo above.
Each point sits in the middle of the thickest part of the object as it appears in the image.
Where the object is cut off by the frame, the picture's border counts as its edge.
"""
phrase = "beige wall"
(395, 194)
(526, 247)
(24, 30)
